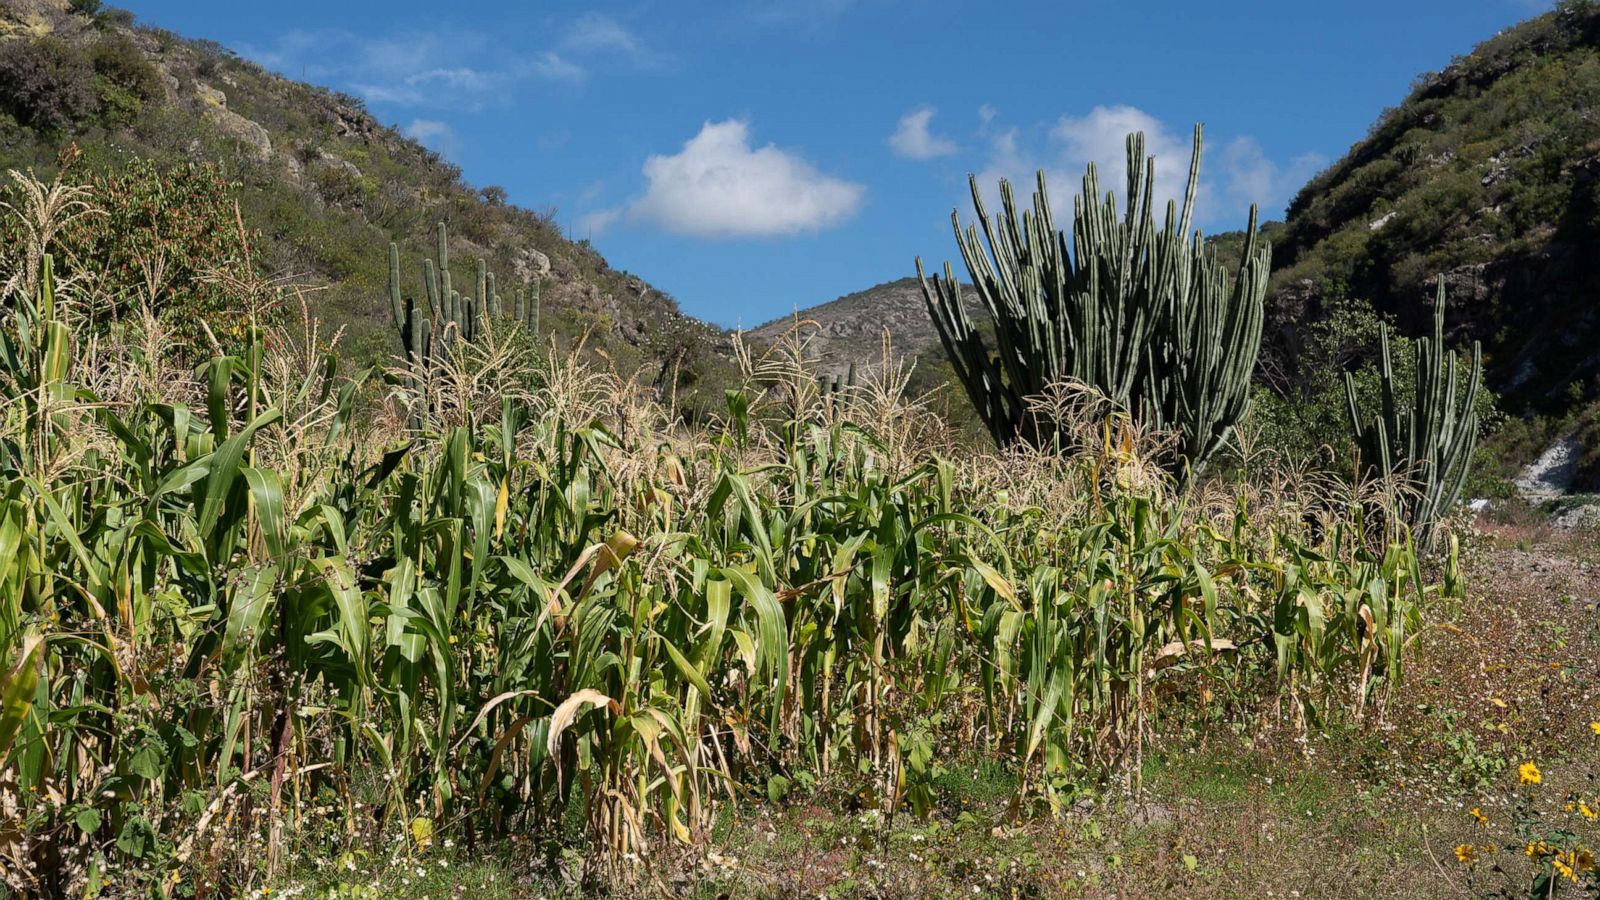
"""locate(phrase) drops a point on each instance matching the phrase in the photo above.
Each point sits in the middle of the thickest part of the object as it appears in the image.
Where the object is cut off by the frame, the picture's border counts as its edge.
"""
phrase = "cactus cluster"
(445, 315)
(459, 317)
(1145, 314)
(1426, 439)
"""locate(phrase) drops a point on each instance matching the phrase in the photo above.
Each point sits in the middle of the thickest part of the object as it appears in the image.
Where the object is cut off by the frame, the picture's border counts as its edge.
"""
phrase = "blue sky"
(752, 158)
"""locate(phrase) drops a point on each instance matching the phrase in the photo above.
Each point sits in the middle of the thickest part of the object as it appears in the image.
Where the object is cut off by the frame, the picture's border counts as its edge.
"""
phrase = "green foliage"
(168, 238)
(329, 226)
(430, 327)
(1482, 173)
(1304, 411)
(124, 79)
(119, 60)
(1144, 314)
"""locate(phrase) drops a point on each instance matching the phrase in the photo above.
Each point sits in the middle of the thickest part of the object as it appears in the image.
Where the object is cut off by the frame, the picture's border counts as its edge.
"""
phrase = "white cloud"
(552, 65)
(597, 31)
(1101, 137)
(1234, 173)
(913, 140)
(719, 186)
(1253, 178)
(595, 35)
(593, 223)
(423, 68)
(431, 133)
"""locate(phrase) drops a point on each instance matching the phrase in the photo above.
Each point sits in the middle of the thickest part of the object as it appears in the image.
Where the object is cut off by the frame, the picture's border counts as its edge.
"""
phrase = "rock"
(1465, 286)
(1583, 516)
(253, 138)
(1381, 221)
(528, 264)
(297, 171)
(29, 18)
(1148, 814)
(325, 159)
(1548, 477)
(351, 123)
(210, 95)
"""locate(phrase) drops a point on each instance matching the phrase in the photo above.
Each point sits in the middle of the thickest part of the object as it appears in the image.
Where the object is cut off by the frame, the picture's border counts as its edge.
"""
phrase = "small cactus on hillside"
(445, 316)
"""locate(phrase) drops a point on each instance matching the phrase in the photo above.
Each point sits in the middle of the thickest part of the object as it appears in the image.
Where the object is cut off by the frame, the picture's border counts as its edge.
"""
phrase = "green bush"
(1307, 410)
(118, 60)
(169, 238)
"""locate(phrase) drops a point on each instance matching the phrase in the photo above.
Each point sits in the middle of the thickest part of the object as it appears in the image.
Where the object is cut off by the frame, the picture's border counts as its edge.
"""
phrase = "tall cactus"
(1428, 438)
(525, 308)
(832, 388)
(445, 315)
(1145, 314)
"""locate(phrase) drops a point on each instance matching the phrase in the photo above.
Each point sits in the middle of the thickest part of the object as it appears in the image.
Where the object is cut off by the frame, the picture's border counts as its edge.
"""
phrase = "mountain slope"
(325, 183)
(1488, 175)
(850, 328)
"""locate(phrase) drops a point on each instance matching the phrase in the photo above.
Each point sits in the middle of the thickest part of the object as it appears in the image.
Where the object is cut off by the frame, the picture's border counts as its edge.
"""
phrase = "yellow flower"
(1562, 863)
(1587, 811)
(1536, 849)
(1528, 773)
(1465, 853)
(1482, 819)
(1585, 860)
(1594, 727)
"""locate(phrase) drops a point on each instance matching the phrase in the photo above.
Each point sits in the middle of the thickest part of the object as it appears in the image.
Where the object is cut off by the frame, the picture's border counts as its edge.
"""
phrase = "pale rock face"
(250, 134)
(324, 158)
(210, 95)
(529, 264)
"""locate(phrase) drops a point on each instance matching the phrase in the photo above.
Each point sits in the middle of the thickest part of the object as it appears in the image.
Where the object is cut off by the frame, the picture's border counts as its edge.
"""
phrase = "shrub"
(119, 60)
(169, 238)
(1307, 410)
(46, 84)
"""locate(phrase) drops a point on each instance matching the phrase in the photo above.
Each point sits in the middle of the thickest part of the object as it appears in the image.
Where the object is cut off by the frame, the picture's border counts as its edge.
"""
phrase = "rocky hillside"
(850, 329)
(326, 184)
(1488, 175)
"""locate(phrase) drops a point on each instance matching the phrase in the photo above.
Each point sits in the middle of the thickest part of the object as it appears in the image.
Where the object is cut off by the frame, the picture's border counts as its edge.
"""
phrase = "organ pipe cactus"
(1145, 314)
(832, 388)
(445, 315)
(1425, 439)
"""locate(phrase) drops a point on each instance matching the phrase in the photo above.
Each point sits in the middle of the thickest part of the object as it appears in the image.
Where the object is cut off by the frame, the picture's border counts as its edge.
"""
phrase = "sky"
(755, 158)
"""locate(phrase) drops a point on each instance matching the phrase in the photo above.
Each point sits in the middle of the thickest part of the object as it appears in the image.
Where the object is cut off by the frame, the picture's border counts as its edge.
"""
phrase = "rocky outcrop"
(528, 264)
(253, 139)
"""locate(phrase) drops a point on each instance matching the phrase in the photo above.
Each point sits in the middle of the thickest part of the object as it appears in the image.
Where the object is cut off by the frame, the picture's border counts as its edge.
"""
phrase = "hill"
(1487, 175)
(324, 182)
(850, 328)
